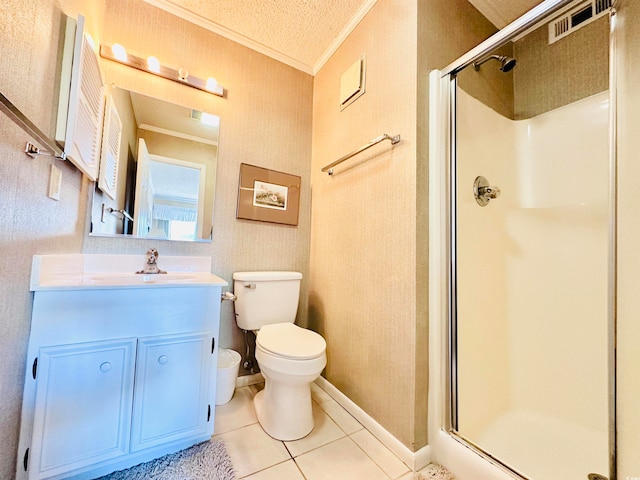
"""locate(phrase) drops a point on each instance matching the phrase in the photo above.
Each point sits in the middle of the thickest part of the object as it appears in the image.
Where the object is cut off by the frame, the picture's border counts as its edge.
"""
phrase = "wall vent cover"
(579, 16)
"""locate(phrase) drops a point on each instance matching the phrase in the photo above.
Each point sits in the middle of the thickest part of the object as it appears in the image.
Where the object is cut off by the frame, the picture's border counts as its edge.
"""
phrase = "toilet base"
(284, 411)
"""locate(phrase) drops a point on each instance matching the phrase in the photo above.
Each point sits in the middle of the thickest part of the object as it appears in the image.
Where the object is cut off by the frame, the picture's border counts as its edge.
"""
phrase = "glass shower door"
(531, 220)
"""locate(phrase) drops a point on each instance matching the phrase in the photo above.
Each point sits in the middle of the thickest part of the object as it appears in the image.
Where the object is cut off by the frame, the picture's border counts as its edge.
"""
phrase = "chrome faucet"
(151, 266)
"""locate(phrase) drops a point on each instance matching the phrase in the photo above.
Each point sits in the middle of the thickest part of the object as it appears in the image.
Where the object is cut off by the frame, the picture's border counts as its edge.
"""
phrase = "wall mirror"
(157, 170)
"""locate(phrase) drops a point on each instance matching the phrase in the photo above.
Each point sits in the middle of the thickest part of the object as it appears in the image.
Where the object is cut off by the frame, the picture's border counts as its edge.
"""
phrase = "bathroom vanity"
(120, 367)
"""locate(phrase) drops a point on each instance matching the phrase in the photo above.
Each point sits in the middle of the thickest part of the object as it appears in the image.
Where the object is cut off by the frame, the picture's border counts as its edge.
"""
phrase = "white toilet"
(290, 357)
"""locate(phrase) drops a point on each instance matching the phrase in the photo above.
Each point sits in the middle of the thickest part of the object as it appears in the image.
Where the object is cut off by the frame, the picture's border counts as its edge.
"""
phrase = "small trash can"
(228, 366)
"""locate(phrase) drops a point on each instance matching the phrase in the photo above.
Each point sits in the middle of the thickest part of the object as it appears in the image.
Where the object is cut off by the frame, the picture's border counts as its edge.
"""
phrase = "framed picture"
(268, 196)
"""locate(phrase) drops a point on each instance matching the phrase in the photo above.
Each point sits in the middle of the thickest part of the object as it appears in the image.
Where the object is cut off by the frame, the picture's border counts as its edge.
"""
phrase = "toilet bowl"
(290, 358)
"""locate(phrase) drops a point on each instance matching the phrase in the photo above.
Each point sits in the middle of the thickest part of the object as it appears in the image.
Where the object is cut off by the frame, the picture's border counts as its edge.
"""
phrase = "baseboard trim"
(414, 460)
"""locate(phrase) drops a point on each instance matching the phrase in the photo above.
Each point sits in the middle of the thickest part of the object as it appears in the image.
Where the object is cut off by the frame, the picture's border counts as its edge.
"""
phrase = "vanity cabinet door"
(172, 383)
(83, 405)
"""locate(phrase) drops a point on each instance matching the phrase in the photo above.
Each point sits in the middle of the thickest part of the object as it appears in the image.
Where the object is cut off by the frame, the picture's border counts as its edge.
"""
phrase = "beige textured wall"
(368, 266)
(628, 333)
(265, 121)
(490, 85)
(363, 260)
(550, 76)
(368, 291)
(30, 222)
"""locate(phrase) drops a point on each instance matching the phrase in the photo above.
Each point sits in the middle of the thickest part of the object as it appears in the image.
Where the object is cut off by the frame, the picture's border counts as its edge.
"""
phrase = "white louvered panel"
(84, 138)
(92, 88)
(112, 137)
(84, 125)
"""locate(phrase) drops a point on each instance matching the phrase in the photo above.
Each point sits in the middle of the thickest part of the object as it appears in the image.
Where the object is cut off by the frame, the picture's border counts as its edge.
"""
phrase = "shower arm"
(500, 58)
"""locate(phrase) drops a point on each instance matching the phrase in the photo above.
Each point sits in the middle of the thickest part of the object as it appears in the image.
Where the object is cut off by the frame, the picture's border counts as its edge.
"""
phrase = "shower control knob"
(489, 192)
(483, 191)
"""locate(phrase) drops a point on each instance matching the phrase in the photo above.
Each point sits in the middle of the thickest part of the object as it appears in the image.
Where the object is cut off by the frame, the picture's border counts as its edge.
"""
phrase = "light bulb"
(119, 52)
(212, 84)
(153, 64)
(209, 119)
(183, 74)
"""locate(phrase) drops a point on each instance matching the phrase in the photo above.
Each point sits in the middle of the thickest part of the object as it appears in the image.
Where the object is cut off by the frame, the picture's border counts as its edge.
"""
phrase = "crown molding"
(346, 31)
(214, 27)
(188, 15)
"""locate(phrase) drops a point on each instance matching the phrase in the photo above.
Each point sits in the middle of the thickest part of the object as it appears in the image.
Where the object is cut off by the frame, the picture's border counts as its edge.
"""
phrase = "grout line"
(413, 460)
(299, 469)
(263, 469)
(374, 460)
(288, 451)
(345, 435)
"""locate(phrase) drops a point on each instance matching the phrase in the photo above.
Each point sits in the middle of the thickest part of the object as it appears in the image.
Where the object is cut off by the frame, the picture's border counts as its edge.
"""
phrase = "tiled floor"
(338, 448)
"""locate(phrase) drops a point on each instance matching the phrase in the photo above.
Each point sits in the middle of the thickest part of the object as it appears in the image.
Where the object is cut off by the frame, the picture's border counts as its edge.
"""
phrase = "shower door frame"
(443, 236)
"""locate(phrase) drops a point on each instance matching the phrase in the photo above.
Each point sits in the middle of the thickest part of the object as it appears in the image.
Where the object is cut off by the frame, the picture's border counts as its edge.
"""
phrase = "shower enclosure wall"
(532, 287)
(524, 336)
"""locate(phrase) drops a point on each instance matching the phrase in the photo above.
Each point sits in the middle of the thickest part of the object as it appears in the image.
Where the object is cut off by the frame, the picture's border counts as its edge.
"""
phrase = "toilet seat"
(287, 340)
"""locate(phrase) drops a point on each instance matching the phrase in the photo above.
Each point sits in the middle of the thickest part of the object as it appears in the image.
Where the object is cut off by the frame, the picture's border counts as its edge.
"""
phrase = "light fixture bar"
(180, 76)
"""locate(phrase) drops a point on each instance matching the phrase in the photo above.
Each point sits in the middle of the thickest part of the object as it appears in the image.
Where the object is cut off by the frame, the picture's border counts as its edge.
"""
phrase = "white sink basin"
(91, 271)
(136, 279)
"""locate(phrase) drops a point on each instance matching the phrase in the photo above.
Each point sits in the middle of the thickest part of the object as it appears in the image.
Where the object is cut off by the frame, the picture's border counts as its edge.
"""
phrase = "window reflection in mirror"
(165, 175)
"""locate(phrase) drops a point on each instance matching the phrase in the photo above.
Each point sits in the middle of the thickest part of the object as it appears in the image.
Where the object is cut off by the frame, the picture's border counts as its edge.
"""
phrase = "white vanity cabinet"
(171, 400)
(117, 375)
(82, 389)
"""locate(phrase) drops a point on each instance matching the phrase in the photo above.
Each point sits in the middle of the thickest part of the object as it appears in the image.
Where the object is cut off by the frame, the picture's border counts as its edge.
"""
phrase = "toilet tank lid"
(266, 276)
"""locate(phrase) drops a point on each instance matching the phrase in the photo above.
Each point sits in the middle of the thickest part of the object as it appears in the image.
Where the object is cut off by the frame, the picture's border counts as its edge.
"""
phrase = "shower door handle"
(483, 191)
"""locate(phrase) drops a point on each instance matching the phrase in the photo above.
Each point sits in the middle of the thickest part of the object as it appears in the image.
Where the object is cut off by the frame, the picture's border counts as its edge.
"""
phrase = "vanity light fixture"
(117, 53)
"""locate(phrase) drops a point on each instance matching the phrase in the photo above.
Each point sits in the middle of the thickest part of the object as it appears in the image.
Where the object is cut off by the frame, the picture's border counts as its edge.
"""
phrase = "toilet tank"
(265, 297)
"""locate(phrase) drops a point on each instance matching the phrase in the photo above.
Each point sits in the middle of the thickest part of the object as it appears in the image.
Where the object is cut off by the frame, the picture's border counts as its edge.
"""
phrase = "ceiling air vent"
(579, 16)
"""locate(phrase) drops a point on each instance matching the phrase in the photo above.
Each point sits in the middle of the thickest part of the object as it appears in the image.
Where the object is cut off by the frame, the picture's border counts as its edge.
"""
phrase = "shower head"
(506, 63)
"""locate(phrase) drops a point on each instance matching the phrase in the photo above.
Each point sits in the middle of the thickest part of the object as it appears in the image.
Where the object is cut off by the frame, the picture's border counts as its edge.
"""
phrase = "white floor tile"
(252, 450)
(324, 431)
(339, 460)
(380, 454)
(408, 476)
(283, 471)
(319, 395)
(343, 418)
(237, 413)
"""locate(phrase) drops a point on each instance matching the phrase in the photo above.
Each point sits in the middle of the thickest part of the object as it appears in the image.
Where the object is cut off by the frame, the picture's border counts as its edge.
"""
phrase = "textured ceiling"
(503, 12)
(302, 33)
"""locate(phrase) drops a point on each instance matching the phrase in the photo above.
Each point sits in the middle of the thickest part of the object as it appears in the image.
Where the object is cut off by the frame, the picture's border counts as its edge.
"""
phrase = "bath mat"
(433, 471)
(204, 461)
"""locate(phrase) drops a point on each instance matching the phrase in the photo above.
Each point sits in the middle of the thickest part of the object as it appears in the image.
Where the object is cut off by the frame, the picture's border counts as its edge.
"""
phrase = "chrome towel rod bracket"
(20, 119)
(394, 139)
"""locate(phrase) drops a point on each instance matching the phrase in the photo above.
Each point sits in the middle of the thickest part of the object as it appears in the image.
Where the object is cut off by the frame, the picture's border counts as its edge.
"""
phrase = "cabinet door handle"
(105, 367)
(162, 359)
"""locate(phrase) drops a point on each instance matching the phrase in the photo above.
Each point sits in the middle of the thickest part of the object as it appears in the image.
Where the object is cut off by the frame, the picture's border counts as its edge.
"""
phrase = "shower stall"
(523, 248)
